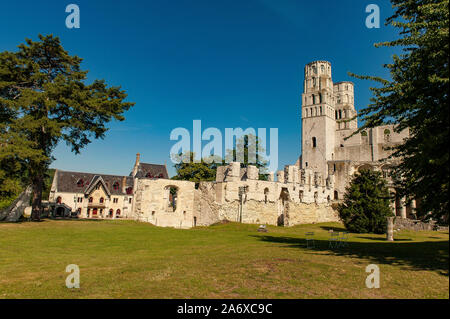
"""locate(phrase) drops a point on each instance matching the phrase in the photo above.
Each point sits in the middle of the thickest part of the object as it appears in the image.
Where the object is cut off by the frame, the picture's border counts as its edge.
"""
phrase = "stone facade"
(329, 119)
(302, 193)
(297, 197)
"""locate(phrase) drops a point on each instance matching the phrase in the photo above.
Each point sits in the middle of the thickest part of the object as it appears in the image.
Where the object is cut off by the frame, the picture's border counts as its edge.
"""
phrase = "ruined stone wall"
(298, 197)
(302, 213)
(151, 203)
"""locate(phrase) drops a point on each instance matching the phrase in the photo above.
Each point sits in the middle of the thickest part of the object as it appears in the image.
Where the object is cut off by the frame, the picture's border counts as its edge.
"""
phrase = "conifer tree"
(44, 100)
(416, 97)
(366, 204)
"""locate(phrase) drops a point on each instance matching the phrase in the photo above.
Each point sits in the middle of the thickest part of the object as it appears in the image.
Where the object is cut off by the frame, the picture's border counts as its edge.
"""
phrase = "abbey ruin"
(301, 193)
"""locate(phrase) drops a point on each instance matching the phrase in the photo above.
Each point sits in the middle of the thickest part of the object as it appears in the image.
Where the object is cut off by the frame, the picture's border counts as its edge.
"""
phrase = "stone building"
(100, 195)
(329, 119)
(147, 194)
(301, 193)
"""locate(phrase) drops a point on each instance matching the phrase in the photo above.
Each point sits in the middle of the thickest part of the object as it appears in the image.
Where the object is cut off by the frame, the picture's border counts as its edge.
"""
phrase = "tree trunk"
(38, 184)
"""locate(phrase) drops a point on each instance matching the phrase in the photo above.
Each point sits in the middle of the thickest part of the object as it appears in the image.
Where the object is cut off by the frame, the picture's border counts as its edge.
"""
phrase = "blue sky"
(235, 63)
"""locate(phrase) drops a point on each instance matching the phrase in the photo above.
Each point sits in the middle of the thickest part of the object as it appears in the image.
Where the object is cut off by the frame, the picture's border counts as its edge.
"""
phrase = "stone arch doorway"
(171, 196)
(283, 204)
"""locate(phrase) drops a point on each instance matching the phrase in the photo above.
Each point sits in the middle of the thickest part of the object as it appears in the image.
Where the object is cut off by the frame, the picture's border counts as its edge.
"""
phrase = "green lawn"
(126, 259)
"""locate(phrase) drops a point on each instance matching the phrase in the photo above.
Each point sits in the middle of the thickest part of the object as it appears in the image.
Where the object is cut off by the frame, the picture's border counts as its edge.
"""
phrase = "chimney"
(138, 158)
(124, 184)
(135, 168)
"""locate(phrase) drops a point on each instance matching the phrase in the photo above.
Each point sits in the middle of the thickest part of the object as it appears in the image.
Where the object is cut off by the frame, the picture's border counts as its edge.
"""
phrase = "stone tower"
(345, 106)
(318, 117)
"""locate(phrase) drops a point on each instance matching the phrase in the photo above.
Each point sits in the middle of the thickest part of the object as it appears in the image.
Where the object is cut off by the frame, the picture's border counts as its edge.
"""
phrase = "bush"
(366, 204)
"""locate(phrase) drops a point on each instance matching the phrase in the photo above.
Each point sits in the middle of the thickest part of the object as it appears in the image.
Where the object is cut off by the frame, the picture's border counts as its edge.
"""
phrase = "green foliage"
(366, 204)
(188, 170)
(247, 147)
(417, 98)
(44, 100)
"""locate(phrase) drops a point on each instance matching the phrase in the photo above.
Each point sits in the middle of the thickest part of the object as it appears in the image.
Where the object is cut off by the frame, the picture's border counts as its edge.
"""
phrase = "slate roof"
(67, 182)
(154, 170)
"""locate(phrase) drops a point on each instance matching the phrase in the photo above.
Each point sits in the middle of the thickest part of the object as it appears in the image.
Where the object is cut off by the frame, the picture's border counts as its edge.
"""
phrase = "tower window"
(314, 142)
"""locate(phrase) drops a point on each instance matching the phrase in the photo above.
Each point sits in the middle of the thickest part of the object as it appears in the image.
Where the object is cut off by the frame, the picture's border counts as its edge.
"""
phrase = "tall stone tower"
(318, 117)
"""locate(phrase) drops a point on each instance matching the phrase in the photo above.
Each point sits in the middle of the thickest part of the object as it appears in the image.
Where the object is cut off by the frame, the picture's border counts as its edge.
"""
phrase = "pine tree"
(44, 100)
(417, 98)
(366, 204)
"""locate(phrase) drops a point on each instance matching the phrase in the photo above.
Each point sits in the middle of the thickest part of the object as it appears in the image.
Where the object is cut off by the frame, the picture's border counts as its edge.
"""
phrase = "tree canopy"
(366, 204)
(45, 99)
(205, 170)
(416, 97)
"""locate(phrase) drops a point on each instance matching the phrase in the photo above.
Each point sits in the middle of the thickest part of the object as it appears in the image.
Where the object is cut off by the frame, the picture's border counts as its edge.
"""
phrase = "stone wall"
(411, 224)
(298, 197)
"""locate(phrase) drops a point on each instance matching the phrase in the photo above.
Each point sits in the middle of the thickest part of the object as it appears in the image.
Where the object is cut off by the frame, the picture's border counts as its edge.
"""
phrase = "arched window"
(111, 212)
(336, 114)
(300, 196)
(102, 200)
(313, 99)
(78, 211)
(340, 114)
(58, 200)
(314, 142)
(336, 195)
(118, 212)
(320, 98)
(387, 135)
(91, 199)
(116, 185)
(80, 183)
(172, 196)
(266, 194)
(129, 190)
(322, 69)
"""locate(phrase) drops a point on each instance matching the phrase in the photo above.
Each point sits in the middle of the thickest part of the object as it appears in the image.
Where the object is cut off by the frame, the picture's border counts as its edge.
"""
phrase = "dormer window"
(116, 185)
(149, 175)
(80, 183)
(129, 190)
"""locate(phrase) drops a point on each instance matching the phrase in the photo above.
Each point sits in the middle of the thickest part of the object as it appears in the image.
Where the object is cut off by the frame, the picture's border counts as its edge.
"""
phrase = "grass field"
(126, 259)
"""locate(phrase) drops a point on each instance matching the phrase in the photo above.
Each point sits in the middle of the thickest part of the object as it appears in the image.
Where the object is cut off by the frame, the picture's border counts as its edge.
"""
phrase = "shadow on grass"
(334, 229)
(378, 238)
(427, 255)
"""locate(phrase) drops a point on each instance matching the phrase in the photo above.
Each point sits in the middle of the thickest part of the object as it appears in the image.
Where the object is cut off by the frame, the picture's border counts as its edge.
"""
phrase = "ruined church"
(301, 193)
